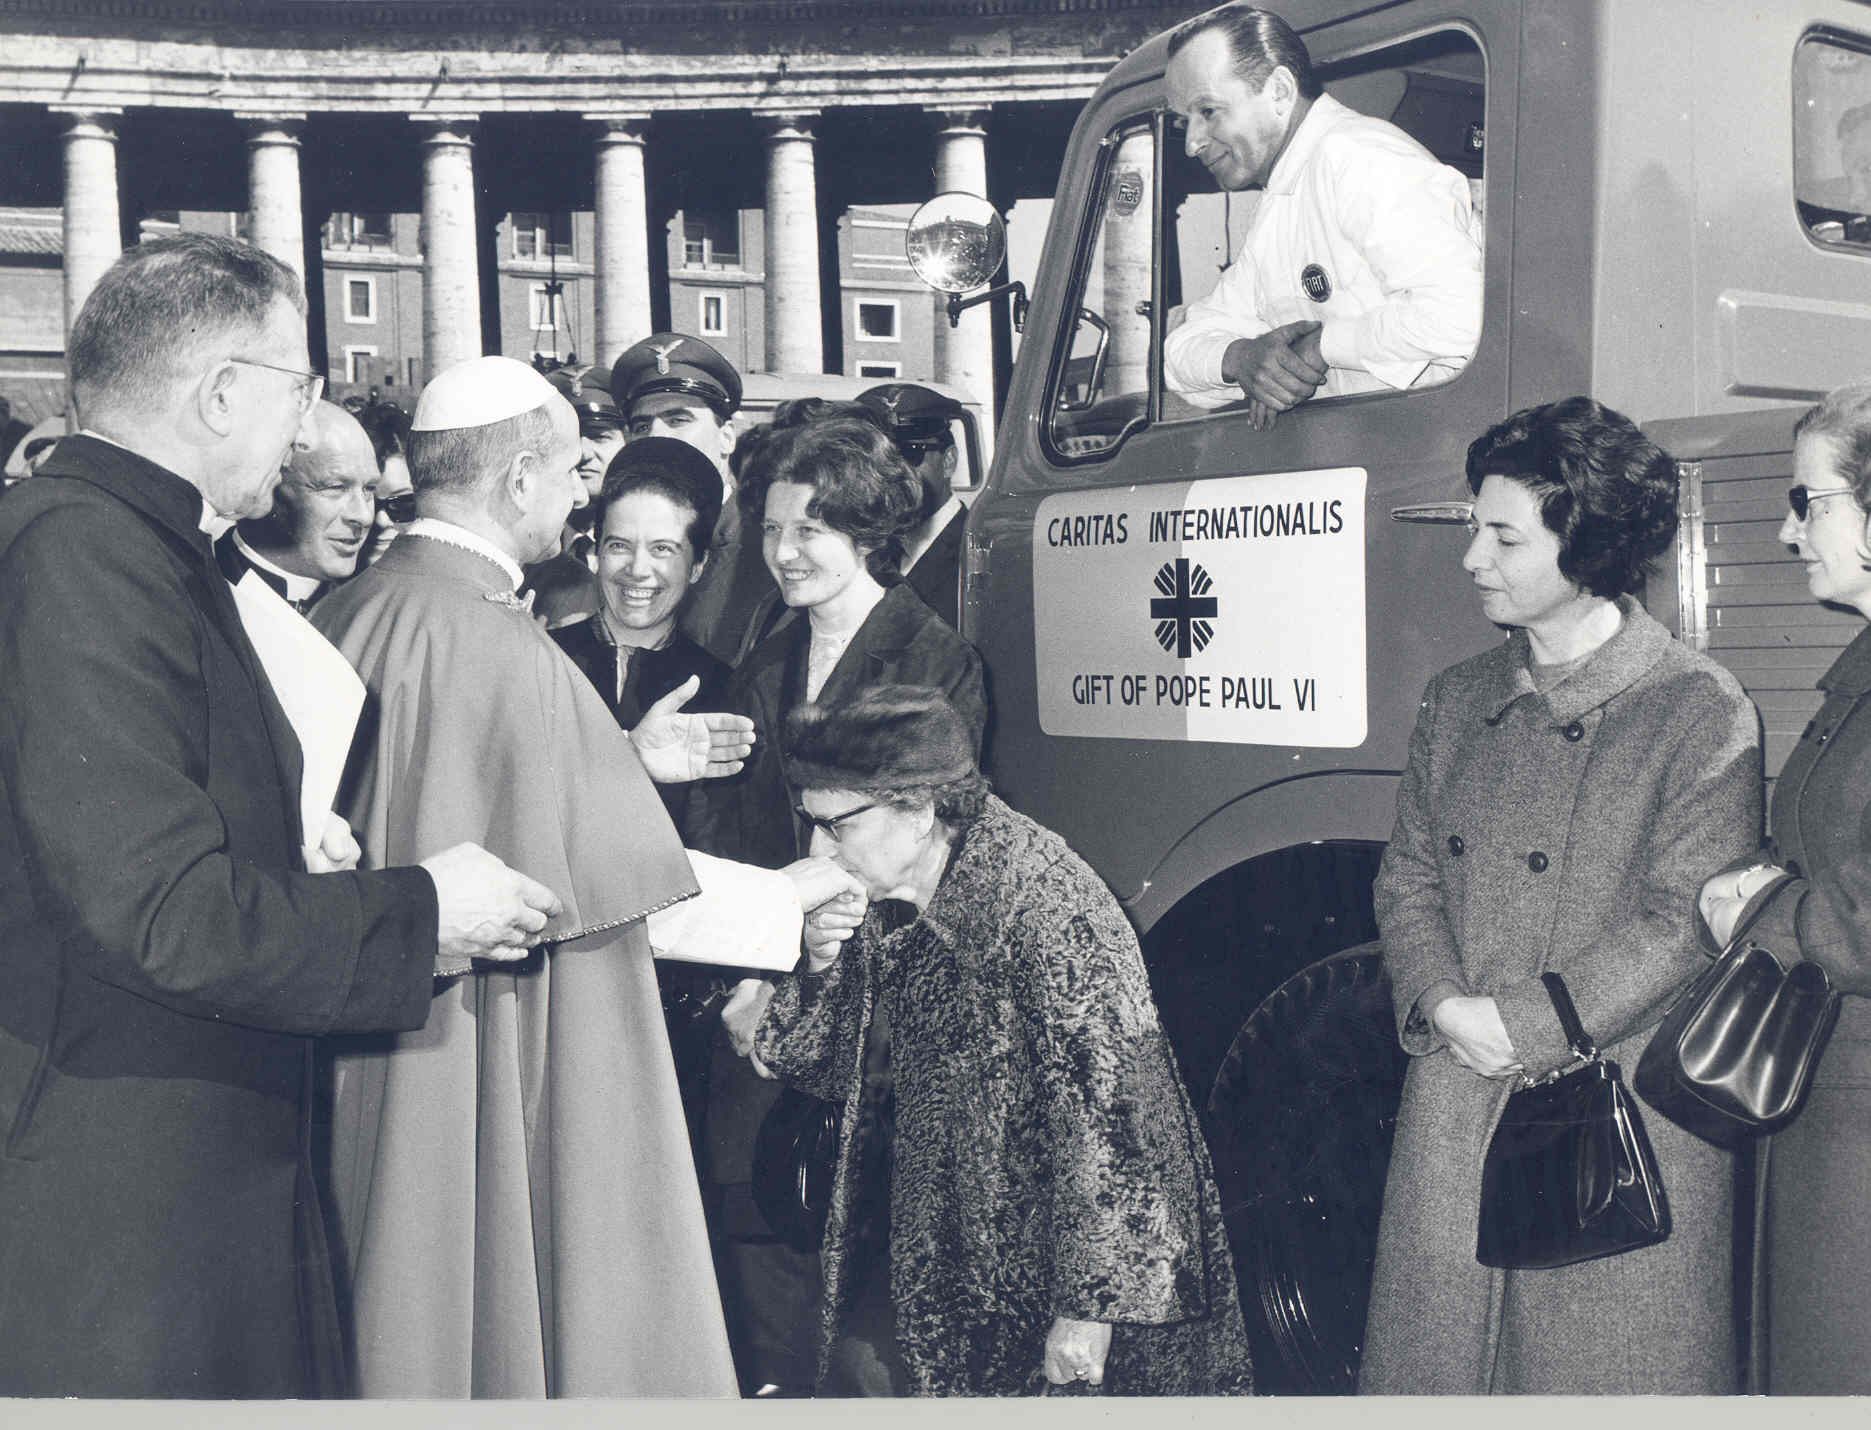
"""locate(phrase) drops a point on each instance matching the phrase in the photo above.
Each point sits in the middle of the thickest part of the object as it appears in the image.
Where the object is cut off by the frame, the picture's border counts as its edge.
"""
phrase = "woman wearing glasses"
(1813, 1257)
(1566, 794)
(832, 497)
(1022, 1191)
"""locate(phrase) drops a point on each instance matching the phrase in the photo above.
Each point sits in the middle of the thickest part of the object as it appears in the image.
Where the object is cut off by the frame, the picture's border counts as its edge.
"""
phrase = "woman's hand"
(1076, 1350)
(1476, 1035)
(829, 925)
(1724, 897)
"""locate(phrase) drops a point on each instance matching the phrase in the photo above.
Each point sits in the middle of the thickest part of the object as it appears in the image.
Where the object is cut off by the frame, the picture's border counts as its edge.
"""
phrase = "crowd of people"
(502, 900)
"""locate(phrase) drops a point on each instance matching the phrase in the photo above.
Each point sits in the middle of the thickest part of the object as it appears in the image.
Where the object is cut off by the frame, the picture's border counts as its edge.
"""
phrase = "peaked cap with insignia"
(676, 362)
(911, 412)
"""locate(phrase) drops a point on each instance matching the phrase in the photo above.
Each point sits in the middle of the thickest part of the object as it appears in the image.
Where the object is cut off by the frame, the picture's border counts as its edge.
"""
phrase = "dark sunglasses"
(830, 823)
(1801, 497)
(400, 509)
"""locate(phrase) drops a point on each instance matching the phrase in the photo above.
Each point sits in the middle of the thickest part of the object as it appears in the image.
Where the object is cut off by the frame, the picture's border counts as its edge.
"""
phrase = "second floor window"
(358, 230)
(542, 235)
(711, 240)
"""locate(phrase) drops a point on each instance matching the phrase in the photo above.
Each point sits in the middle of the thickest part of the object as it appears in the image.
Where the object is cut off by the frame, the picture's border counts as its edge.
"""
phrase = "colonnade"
(451, 317)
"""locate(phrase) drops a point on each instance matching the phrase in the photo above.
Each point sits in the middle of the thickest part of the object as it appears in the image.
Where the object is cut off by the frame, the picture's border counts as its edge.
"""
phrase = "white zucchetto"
(479, 392)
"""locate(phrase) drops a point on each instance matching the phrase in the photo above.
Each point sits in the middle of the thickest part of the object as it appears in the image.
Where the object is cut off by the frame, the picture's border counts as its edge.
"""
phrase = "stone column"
(965, 354)
(622, 211)
(275, 213)
(795, 335)
(1127, 234)
(93, 233)
(451, 281)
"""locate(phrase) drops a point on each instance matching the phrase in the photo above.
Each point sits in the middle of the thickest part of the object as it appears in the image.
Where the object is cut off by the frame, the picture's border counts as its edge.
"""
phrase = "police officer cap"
(912, 413)
(676, 362)
(590, 392)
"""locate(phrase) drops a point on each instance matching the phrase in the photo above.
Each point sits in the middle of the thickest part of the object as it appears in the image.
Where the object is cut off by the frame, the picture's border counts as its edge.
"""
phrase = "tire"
(1300, 1120)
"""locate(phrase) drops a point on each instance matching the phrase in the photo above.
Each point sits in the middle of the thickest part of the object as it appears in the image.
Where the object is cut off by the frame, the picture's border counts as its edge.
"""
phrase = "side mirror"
(956, 242)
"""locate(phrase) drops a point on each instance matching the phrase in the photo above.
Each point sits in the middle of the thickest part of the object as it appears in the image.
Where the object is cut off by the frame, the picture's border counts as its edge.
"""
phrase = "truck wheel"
(1300, 1125)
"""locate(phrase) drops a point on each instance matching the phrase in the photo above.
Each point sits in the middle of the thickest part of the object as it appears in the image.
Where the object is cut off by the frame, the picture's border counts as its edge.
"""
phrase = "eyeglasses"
(830, 823)
(311, 384)
(400, 508)
(1801, 497)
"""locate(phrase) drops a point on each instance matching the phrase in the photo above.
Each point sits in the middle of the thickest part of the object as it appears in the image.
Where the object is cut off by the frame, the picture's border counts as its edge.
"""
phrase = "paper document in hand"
(315, 686)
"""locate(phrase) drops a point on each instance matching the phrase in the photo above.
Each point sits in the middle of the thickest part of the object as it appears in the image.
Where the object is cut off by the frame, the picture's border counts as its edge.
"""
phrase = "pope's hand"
(1725, 896)
(818, 881)
(484, 909)
(337, 851)
(1076, 1350)
(1278, 369)
(677, 747)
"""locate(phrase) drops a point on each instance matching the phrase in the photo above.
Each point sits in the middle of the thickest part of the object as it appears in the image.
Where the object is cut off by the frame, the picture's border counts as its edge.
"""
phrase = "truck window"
(1832, 138)
(1100, 383)
(1432, 87)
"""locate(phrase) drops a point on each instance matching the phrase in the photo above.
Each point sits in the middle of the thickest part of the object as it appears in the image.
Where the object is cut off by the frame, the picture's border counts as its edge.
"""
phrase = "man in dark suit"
(166, 951)
(922, 423)
(322, 514)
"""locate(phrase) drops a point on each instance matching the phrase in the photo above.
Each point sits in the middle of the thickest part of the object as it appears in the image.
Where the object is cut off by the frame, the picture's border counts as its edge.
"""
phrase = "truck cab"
(1207, 642)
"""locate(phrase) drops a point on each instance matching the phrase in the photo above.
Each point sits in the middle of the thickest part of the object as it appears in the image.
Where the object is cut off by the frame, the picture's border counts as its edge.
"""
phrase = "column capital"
(95, 120)
(958, 118)
(447, 128)
(625, 127)
(281, 127)
(787, 123)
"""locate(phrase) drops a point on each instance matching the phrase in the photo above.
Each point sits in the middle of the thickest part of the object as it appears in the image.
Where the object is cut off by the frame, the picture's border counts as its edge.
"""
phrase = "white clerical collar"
(447, 532)
(1324, 114)
(298, 588)
(210, 522)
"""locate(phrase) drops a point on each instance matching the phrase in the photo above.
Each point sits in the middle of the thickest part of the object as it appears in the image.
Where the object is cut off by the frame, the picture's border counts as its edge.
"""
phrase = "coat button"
(1574, 732)
(1536, 861)
(1456, 847)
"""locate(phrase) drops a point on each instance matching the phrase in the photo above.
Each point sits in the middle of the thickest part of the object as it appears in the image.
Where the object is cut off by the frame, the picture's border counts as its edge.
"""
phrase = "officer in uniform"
(674, 385)
(922, 423)
(564, 586)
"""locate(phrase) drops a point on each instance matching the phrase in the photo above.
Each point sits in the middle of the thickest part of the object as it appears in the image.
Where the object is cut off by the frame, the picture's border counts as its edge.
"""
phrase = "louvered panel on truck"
(1759, 619)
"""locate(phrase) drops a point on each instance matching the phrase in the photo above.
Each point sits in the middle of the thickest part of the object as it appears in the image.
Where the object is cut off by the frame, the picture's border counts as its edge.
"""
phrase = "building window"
(880, 369)
(349, 230)
(711, 240)
(877, 320)
(545, 308)
(354, 369)
(360, 300)
(415, 374)
(714, 315)
(542, 235)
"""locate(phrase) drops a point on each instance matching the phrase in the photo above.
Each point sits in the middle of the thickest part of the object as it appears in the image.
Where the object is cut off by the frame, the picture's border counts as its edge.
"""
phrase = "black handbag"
(1569, 1175)
(795, 1162)
(1734, 1056)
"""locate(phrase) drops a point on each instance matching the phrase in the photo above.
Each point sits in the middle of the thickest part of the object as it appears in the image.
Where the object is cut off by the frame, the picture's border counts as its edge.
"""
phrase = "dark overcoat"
(749, 816)
(1046, 1161)
(936, 576)
(1813, 1257)
(1570, 831)
(166, 962)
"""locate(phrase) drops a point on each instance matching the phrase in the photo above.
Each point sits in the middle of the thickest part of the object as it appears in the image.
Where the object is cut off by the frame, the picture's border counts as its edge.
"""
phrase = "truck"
(1207, 642)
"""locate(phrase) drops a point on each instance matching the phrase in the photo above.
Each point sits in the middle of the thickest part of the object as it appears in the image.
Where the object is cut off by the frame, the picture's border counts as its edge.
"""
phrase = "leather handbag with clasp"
(1570, 1175)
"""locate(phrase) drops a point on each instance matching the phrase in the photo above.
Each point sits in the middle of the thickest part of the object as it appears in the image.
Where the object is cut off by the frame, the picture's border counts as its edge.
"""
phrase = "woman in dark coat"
(1813, 1258)
(1022, 1188)
(832, 496)
(1566, 794)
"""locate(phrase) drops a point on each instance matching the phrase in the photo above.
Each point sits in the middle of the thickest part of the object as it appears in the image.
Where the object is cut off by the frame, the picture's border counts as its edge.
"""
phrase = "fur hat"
(890, 737)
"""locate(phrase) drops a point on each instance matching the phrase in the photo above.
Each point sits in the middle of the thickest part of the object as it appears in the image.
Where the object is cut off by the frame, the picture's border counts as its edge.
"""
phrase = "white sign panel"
(1230, 609)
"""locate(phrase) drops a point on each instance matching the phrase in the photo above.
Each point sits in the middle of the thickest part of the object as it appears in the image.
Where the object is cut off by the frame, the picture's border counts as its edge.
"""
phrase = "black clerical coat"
(165, 960)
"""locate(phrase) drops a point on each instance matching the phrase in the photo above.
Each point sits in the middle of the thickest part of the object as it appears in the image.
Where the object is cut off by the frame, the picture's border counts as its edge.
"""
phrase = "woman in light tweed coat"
(1567, 793)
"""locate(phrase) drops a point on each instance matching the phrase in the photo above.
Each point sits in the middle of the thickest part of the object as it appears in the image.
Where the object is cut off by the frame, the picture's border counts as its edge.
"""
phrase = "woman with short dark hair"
(832, 496)
(1566, 793)
(1022, 1190)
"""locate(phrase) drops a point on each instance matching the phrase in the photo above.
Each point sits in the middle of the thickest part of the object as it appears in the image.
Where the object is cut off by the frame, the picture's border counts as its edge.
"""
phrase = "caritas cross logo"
(1184, 612)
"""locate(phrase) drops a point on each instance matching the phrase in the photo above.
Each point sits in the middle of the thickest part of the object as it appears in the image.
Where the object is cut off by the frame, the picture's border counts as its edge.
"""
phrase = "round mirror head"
(956, 242)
